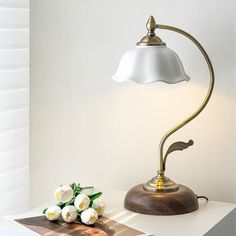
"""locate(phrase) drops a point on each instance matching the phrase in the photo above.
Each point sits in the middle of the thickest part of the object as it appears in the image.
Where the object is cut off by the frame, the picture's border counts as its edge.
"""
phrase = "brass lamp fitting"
(161, 182)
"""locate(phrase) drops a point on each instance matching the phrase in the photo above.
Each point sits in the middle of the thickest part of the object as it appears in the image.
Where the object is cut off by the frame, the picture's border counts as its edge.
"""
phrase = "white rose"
(53, 213)
(89, 216)
(99, 206)
(69, 214)
(64, 193)
(82, 202)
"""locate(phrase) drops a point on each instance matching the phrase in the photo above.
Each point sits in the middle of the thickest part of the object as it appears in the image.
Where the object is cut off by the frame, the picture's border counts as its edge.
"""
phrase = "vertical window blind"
(14, 106)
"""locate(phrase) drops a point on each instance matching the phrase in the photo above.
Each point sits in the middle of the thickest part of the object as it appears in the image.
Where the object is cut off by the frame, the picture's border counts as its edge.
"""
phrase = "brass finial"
(151, 39)
(151, 25)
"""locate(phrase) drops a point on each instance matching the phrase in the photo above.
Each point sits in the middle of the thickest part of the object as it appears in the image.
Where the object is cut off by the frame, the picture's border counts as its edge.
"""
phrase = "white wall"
(90, 129)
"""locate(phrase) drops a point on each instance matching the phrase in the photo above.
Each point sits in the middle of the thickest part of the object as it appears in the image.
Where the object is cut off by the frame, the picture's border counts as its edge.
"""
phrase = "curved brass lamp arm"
(204, 103)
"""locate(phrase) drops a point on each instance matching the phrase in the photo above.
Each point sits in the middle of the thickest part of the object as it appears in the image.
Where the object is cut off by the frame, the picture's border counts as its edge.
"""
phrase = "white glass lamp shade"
(147, 64)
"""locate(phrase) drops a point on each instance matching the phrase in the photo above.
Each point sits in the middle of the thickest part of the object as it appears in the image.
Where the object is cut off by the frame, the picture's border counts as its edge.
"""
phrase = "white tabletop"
(212, 218)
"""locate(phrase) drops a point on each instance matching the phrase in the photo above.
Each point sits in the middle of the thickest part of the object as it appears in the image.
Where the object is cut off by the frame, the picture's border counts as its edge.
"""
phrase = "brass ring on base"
(161, 183)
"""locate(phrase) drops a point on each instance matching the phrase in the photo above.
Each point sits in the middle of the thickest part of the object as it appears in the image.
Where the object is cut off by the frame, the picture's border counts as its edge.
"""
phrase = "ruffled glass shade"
(147, 64)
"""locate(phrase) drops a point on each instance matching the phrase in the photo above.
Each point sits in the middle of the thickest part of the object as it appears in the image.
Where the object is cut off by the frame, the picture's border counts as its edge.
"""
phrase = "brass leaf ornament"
(177, 146)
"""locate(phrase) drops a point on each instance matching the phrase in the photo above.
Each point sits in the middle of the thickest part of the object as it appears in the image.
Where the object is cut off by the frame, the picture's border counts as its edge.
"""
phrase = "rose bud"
(53, 213)
(69, 214)
(89, 216)
(64, 193)
(99, 206)
(82, 202)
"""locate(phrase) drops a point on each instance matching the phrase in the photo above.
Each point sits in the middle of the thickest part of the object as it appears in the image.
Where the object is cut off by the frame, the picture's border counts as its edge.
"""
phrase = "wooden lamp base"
(177, 202)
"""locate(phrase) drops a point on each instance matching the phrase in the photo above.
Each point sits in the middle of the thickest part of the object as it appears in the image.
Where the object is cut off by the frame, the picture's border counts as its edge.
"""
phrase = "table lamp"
(152, 61)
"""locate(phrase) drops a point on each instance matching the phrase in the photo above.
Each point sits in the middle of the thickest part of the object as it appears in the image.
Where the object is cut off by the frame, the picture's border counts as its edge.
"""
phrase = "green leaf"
(61, 204)
(73, 186)
(89, 187)
(71, 202)
(95, 196)
(44, 211)
(79, 188)
(91, 203)
(76, 188)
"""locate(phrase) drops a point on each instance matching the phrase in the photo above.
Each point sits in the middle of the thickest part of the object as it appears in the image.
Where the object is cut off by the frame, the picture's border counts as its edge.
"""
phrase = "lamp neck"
(180, 145)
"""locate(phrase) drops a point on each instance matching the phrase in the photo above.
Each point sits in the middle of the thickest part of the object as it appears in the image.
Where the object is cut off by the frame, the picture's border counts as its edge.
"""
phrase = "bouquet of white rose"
(74, 204)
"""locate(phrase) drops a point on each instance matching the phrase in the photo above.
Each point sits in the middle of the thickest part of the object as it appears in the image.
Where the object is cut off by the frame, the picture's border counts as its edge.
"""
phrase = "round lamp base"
(177, 202)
